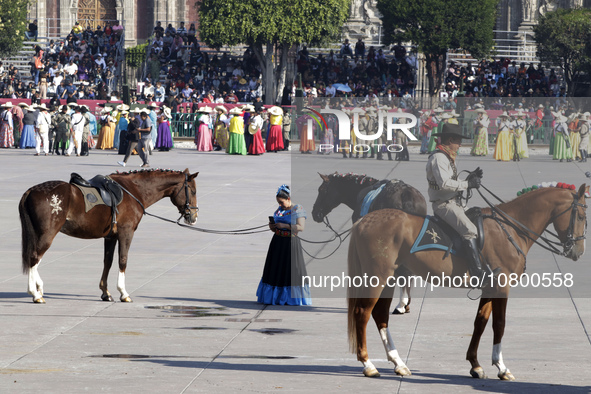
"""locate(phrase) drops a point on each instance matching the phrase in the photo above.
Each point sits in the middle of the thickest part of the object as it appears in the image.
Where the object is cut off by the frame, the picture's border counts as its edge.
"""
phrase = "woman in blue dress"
(281, 283)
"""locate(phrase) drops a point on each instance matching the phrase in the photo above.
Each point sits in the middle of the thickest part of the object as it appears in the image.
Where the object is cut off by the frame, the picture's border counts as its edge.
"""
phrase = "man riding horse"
(445, 191)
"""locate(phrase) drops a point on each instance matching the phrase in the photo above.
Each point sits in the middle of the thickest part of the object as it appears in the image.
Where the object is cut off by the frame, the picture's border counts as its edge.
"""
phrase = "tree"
(436, 26)
(564, 37)
(269, 25)
(13, 24)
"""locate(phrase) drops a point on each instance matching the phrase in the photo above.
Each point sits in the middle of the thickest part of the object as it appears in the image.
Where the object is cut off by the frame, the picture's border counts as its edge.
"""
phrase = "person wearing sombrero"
(573, 135)
(444, 189)
(221, 128)
(42, 124)
(562, 149)
(6, 126)
(257, 147)
(17, 121)
(520, 127)
(28, 139)
(481, 123)
(236, 144)
(275, 136)
(107, 133)
(164, 140)
(204, 136)
(504, 146)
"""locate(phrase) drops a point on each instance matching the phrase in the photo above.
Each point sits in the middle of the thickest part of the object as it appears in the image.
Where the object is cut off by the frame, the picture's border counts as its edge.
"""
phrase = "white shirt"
(78, 122)
(71, 69)
(43, 121)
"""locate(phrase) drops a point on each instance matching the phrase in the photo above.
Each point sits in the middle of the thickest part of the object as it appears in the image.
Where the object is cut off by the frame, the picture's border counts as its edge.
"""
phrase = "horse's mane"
(146, 170)
(356, 178)
(523, 199)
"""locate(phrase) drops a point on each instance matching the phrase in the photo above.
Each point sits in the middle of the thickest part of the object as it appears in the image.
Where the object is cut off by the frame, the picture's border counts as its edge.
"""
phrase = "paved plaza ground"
(194, 324)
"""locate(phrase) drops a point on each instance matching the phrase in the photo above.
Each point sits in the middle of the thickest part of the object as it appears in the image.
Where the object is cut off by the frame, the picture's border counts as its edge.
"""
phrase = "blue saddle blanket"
(368, 200)
(435, 235)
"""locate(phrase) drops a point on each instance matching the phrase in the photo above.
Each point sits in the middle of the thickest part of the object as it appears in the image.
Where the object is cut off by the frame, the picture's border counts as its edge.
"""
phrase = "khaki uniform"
(584, 131)
(444, 191)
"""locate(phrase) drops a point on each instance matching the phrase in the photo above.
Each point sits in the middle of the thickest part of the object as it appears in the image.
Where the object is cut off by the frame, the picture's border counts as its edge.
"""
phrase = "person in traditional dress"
(221, 128)
(481, 123)
(42, 124)
(275, 135)
(154, 133)
(28, 139)
(562, 149)
(17, 121)
(286, 129)
(204, 136)
(6, 126)
(504, 145)
(257, 147)
(539, 124)
(78, 121)
(584, 133)
(281, 283)
(520, 127)
(164, 140)
(236, 144)
(427, 125)
(307, 144)
(247, 113)
(574, 136)
(107, 133)
(62, 124)
(87, 141)
(438, 120)
(120, 108)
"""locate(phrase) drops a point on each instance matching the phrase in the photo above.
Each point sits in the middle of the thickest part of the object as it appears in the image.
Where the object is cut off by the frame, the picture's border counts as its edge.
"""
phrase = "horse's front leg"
(107, 262)
(484, 310)
(124, 243)
(361, 315)
(380, 314)
(499, 307)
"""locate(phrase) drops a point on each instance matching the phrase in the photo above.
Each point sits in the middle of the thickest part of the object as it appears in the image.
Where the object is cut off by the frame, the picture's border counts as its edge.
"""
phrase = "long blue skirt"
(27, 137)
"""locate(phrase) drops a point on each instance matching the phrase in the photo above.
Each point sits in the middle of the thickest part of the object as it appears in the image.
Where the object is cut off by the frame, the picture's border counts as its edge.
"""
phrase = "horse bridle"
(186, 209)
(569, 243)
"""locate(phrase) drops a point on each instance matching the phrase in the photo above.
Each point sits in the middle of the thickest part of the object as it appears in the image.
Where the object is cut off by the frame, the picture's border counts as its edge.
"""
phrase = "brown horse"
(382, 241)
(350, 189)
(55, 206)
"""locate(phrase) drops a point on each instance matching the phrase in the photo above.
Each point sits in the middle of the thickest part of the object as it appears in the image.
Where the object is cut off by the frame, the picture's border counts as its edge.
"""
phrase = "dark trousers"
(142, 149)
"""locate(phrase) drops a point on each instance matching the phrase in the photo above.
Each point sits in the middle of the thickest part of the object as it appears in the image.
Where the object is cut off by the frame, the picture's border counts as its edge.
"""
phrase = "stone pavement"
(194, 325)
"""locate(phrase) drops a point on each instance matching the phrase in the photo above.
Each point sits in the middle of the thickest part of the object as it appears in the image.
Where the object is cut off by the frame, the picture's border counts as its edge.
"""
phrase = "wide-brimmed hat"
(481, 110)
(252, 129)
(450, 129)
(145, 111)
(454, 114)
(152, 105)
(205, 110)
(137, 110)
(540, 106)
(504, 115)
(167, 113)
(221, 108)
(43, 107)
(275, 111)
(446, 115)
(236, 111)
(242, 81)
(438, 110)
(583, 117)
(21, 104)
(248, 107)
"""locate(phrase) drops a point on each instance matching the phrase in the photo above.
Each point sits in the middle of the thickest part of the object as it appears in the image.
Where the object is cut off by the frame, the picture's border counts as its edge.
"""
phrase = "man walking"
(139, 134)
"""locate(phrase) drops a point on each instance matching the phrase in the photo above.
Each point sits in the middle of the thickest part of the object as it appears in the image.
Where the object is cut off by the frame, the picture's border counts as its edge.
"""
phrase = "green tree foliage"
(563, 37)
(267, 25)
(436, 26)
(136, 55)
(13, 24)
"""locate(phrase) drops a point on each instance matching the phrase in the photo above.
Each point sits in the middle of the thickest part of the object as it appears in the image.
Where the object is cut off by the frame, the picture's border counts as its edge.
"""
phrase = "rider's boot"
(474, 262)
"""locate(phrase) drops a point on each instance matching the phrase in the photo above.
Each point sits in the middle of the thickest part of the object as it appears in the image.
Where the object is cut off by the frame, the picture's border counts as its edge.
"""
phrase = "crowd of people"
(81, 67)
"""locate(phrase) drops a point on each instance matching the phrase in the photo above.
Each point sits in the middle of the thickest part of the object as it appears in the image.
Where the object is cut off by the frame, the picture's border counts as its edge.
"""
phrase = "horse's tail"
(354, 267)
(29, 235)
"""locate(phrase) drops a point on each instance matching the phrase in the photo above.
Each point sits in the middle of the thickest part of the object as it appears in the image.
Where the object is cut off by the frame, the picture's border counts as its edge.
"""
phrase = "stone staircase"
(22, 59)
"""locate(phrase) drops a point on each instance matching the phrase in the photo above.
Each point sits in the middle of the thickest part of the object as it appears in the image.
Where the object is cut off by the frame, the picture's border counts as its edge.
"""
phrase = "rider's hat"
(451, 130)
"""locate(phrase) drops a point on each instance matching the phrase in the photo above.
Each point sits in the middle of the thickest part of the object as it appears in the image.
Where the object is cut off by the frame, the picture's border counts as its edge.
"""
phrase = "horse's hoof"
(478, 373)
(40, 300)
(371, 372)
(407, 309)
(402, 370)
(107, 298)
(507, 375)
(397, 311)
(126, 299)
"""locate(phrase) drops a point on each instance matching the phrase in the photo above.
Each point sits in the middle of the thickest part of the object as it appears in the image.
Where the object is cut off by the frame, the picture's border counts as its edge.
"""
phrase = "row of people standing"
(239, 131)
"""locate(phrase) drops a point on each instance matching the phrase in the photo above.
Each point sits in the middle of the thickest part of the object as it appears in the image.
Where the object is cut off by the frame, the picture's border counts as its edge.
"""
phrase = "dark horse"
(382, 240)
(55, 206)
(351, 189)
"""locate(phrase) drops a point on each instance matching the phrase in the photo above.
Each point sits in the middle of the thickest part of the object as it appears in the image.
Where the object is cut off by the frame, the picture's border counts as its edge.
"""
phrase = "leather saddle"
(437, 234)
(110, 191)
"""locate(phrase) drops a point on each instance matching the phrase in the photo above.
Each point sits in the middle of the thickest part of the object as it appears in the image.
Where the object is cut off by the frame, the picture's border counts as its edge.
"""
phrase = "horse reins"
(521, 228)
(335, 236)
(187, 211)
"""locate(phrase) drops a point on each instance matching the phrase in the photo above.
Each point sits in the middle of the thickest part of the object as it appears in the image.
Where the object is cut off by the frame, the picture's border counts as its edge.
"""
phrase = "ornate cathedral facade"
(57, 17)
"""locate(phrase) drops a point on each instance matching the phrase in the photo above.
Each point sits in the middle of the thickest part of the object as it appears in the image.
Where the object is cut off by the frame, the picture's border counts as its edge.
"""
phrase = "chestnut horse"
(350, 189)
(382, 240)
(55, 206)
